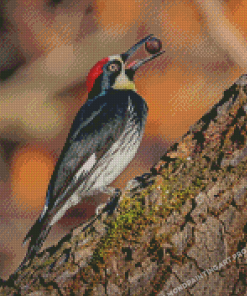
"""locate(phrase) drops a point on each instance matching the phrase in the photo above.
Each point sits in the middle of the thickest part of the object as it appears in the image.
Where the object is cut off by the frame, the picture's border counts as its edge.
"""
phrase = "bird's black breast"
(118, 102)
(108, 107)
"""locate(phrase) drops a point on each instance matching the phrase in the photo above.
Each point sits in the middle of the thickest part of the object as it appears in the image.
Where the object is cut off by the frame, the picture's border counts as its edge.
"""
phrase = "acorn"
(153, 45)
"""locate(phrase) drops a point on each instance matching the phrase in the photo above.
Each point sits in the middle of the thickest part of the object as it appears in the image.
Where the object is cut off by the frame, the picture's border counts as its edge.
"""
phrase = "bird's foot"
(111, 205)
(139, 182)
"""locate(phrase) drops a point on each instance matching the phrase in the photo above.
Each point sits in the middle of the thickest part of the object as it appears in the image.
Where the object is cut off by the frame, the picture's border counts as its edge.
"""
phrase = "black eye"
(114, 67)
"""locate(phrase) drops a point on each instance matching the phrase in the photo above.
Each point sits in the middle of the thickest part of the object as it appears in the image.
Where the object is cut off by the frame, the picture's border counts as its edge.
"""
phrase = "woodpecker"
(103, 139)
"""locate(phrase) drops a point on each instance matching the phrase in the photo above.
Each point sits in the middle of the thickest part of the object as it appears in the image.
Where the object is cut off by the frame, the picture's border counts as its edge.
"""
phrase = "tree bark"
(180, 230)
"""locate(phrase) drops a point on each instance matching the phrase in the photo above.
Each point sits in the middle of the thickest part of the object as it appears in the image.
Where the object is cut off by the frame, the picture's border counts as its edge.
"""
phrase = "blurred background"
(47, 48)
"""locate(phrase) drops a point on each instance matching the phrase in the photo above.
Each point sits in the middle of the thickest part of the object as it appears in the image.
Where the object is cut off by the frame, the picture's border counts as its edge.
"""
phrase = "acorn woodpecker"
(103, 139)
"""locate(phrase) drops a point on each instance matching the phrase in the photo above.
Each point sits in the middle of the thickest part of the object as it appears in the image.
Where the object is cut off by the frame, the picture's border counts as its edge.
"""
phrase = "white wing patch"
(87, 166)
(74, 199)
(44, 211)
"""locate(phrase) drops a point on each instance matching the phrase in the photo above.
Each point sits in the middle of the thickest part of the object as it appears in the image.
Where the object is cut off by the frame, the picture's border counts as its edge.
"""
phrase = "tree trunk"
(180, 230)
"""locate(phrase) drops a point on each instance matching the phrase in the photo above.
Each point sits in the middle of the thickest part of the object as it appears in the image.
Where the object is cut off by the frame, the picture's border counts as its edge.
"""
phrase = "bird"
(102, 141)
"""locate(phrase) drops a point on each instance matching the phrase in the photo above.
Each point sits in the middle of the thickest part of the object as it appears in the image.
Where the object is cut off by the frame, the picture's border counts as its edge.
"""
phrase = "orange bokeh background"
(31, 169)
(47, 50)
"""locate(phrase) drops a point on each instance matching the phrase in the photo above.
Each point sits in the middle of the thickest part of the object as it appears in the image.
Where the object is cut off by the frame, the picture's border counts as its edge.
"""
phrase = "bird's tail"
(37, 234)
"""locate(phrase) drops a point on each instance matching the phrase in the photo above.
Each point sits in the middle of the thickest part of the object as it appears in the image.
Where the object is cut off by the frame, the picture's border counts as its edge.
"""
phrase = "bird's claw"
(111, 205)
(139, 181)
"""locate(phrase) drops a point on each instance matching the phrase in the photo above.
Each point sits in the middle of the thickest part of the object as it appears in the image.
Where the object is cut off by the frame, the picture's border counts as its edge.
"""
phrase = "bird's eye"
(113, 67)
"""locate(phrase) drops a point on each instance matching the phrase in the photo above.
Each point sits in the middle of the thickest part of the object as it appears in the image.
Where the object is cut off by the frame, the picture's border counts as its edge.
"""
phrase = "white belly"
(115, 160)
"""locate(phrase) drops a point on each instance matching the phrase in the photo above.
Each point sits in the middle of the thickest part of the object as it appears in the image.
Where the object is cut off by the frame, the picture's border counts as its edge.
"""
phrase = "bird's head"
(113, 72)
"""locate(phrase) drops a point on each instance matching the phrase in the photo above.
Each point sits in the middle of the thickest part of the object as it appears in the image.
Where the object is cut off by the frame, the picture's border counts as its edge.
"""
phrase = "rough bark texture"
(179, 231)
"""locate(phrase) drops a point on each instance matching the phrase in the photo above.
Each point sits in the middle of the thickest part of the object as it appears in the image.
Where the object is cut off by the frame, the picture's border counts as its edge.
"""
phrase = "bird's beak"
(136, 64)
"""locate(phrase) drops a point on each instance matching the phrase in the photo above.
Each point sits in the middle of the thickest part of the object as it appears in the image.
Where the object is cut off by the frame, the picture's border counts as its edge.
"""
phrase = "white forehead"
(115, 57)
